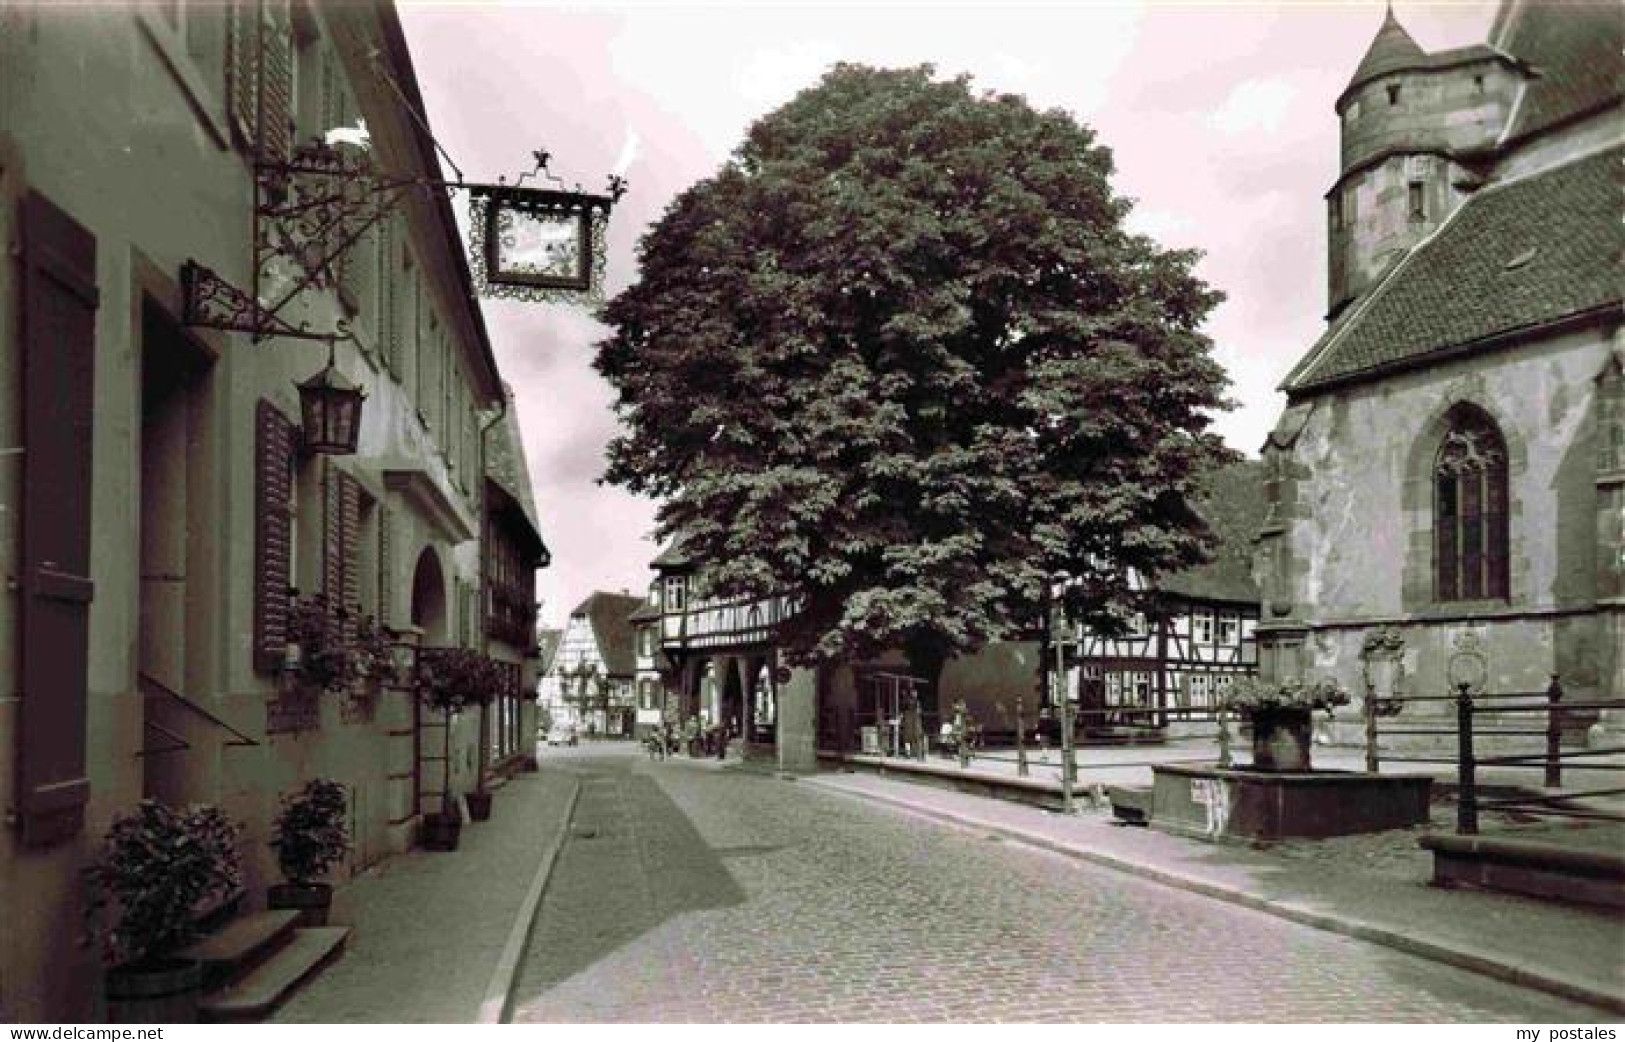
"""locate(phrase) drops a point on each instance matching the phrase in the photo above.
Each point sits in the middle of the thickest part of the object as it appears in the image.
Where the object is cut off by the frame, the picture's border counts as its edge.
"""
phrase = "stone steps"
(239, 943)
(259, 990)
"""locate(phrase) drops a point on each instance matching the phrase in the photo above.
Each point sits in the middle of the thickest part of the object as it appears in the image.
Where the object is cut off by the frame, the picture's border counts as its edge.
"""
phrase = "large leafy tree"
(900, 357)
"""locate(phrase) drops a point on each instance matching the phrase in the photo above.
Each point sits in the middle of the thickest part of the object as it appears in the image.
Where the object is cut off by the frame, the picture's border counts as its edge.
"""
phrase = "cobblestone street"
(691, 893)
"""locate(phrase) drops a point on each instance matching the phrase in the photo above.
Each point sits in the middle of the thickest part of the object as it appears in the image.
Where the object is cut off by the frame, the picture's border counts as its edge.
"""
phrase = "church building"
(1449, 470)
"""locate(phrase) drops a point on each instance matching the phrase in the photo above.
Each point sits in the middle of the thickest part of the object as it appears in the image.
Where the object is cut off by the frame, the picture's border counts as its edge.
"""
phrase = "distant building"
(1450, 466)
(596, 664)
(1199, 636)
(652, 708)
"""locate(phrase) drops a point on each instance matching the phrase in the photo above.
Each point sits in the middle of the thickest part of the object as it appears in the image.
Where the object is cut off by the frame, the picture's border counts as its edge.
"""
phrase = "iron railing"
(1476, 718)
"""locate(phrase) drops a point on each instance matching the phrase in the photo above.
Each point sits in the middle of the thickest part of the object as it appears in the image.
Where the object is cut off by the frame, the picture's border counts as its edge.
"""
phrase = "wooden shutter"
(59, 301)
(276, 83)
(386, 584)
(344, 543)
(242, 68)
(259, 80)
(275, 443)
(341, 549)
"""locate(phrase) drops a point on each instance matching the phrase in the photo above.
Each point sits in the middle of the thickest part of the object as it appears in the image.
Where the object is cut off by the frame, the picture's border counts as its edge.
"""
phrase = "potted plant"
(161, 869)
(321, 660)
(309, 838)
(448, 679)
(1279, 713)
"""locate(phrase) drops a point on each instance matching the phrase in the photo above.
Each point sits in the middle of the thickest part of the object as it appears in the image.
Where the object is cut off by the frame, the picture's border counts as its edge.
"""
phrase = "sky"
(1219, 116)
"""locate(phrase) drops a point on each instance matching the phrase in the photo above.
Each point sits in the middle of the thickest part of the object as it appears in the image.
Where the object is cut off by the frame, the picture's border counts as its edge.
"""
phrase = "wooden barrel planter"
(1282, 739)
(160, 992)
(311, 900)
(441, 832)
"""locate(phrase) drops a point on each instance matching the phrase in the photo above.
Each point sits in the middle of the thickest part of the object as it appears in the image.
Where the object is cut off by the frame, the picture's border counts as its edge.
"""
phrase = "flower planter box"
(441, 833)
(311, 900)
(1245, 805)
(1282, 739)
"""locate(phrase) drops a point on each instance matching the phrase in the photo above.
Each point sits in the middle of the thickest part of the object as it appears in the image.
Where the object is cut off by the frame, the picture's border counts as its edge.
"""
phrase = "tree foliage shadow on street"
(633, 862)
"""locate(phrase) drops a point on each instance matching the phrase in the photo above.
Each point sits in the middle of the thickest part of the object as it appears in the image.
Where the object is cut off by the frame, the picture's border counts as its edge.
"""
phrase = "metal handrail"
(147, 680)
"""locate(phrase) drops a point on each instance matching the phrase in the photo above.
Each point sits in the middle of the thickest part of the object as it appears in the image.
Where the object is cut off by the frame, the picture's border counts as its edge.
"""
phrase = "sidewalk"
(432, 929)
(1370, 887)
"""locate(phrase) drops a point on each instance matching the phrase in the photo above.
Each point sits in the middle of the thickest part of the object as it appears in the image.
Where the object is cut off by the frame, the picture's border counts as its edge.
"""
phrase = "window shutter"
(276, 83)
(386, 584)
(349, 535)
(259, 80)
(242, 67)
(59, 301)
(275, 442)
(386, 293)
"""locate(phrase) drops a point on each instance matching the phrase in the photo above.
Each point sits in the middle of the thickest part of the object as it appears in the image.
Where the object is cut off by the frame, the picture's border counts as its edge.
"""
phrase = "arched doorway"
(430, 737)
(429, 598)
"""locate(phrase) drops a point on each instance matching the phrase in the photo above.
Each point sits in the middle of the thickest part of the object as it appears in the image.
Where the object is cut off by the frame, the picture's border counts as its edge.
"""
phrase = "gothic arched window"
(1470, 509)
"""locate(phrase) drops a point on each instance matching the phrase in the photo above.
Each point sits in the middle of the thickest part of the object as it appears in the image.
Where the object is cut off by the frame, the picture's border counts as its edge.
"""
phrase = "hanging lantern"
(330, 404)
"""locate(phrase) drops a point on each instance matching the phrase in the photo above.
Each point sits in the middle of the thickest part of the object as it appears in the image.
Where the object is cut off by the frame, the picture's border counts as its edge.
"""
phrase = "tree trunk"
(445, 771)
(926, 659)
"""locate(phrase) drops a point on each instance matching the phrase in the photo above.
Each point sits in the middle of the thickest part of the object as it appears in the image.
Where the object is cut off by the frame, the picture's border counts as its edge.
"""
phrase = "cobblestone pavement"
(692, 894)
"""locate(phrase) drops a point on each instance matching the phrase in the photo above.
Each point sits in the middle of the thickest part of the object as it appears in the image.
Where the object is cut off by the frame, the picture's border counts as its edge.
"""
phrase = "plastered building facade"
(155, 506)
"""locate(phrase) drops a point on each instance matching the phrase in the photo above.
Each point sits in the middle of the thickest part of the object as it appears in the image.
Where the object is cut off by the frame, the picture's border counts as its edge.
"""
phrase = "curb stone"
(1483, 963)
(497, 1006)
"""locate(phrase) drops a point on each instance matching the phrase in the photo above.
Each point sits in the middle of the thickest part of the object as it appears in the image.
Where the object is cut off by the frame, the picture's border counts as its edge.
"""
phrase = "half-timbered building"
(1198, 632)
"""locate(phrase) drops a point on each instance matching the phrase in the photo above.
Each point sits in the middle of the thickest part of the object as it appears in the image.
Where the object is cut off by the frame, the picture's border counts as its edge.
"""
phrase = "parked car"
(563, 735)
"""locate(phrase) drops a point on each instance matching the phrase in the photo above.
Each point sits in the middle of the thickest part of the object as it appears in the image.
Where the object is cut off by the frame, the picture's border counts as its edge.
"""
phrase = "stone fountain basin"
(1245, 804)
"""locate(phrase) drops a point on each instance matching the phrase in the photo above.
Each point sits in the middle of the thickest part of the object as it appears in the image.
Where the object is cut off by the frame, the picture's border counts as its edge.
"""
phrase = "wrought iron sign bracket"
(311, 211)
(308, 213)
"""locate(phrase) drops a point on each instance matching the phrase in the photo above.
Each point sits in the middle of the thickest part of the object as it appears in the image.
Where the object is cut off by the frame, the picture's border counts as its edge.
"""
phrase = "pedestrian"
(691, 735)
(913, 728)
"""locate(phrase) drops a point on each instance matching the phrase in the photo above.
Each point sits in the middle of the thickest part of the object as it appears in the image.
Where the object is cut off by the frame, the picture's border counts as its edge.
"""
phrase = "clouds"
(1254, 106)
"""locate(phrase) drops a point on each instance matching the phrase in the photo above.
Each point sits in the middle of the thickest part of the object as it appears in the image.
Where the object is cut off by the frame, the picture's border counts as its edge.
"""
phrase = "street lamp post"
(1058, 641)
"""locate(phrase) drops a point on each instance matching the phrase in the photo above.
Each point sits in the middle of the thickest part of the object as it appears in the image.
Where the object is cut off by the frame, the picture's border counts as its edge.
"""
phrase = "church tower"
(1417, 131)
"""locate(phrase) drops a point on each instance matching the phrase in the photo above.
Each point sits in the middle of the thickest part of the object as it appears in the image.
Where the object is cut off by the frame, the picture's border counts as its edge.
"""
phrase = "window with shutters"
(1470, 514)
(424, 370)
(57, 356)
(386, 257)
(260, 82)
(275, 489)
(193, 41)
(341, 548)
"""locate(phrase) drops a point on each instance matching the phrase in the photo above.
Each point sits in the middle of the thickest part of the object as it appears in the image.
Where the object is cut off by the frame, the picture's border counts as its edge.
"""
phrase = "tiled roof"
(1234, 508)
(673, 556)
(609, 614)
(505, 461)
(646, 613)
(1574, 49)
(1515, 256)
(1391, 50)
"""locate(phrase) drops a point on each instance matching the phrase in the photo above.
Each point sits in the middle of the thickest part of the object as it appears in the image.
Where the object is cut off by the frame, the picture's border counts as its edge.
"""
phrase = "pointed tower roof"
(1392, 50)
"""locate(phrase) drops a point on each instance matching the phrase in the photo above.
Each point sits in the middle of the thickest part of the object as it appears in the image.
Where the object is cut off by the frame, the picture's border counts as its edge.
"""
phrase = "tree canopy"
(900, 358)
